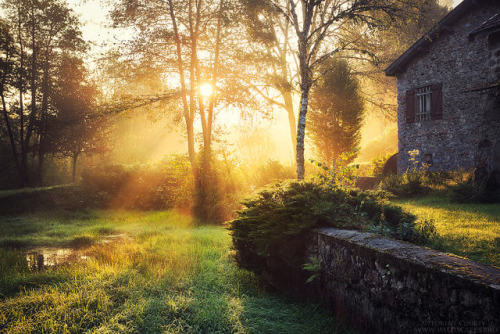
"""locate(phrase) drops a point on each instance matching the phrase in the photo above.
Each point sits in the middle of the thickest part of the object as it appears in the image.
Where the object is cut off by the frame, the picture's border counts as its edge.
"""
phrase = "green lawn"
(469, 230)
(170, 276)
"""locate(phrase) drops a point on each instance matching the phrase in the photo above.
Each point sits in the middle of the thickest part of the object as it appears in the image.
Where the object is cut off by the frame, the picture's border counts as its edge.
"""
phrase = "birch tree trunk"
(287, 97)
(301, 132)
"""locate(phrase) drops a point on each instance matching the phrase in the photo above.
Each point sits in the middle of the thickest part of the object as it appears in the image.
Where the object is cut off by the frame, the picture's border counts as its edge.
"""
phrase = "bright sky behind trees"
(97, 30)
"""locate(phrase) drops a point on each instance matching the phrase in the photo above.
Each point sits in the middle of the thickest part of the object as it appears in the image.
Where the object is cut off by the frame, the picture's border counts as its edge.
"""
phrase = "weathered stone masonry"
(386, 286)
(465, 65)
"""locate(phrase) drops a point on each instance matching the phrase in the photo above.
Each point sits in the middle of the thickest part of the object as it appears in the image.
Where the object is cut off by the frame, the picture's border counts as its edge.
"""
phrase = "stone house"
(449, 91)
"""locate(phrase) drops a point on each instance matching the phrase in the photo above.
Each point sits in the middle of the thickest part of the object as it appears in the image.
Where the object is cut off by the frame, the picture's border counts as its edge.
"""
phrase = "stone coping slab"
(429, 258)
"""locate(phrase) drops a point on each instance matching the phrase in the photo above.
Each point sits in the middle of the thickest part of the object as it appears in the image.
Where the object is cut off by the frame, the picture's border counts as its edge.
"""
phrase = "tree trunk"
(6, 116)
(215, 69)
(32, 116)
(287, 97)
(190, 137)
(43, 116)
(287, 94)
(73, 171)
(187, 112)
(41, 160)
(11, 137)
(301, 131)
(21, 102)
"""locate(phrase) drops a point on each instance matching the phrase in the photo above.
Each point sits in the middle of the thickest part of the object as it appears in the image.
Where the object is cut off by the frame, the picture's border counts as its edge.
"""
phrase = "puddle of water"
(114, 238)
(44, 257)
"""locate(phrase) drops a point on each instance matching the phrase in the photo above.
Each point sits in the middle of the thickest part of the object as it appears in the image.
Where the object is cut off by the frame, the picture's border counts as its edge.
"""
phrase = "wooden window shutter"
(437, 101)
(410, 106)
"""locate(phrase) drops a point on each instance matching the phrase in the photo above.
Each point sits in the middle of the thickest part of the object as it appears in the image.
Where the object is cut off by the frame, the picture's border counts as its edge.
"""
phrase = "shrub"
(426, 230)
(272, 232)
(342, 173)
(272, 171)
(471, 192)
(409, 184)
(155, 186)
(379, 163)
(217, 189)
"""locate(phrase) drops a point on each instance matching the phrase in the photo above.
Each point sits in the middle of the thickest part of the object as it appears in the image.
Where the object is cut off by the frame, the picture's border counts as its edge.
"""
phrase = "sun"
(206, 89)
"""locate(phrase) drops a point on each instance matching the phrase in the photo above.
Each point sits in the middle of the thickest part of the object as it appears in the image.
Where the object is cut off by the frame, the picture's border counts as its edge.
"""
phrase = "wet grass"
(170, 276)
(469, 230)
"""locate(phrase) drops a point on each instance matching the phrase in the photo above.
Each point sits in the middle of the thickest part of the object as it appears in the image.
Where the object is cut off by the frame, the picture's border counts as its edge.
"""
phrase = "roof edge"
(427, 39)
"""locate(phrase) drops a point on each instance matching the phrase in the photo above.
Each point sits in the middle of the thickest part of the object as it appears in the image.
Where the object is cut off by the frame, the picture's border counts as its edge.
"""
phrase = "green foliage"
(42, 199)
(272, 171)
(409, 184)
(379, 163)
(314, 267)
(157, 186)
(471, 192)
(217, 189)
(342, 173)
(427, 230)
(273, 227)
(336, 110)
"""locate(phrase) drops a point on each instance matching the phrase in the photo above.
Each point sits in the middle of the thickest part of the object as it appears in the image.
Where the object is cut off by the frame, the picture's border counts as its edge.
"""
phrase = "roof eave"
(398, 65)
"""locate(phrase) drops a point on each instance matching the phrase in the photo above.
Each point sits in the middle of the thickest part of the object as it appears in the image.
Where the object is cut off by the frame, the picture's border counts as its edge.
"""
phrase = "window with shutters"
(424, 104)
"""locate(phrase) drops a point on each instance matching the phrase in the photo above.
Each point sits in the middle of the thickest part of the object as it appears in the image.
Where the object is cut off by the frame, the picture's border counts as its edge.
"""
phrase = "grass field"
(167, 276)
(469, 230)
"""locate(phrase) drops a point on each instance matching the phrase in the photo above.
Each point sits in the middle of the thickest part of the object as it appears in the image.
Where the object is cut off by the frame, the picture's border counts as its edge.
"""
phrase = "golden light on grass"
(206, 89)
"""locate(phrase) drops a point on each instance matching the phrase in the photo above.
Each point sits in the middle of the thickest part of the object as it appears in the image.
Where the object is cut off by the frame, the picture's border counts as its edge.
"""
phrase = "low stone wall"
(381, 285)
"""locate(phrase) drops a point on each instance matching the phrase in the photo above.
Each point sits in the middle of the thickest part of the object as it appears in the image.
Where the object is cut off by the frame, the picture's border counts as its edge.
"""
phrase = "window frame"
(423, 100)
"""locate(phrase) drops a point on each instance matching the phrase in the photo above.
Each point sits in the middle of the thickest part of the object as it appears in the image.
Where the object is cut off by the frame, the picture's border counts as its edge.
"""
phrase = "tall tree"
(317, 26)
(415, 19)
(275, 64)
(43, 30)
(336, 111)
(79, 127)
(184, 40)
(191, 44)
(7, 82)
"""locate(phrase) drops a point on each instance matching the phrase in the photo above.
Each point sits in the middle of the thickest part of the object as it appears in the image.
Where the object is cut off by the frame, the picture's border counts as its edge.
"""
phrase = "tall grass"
(170, 276)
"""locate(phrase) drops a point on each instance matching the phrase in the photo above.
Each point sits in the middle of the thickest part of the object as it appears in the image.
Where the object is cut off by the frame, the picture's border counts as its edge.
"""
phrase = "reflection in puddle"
(44, 257)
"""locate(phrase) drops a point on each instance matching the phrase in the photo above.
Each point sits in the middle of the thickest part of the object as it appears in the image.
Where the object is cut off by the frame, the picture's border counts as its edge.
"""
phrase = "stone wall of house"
(462, 65)
(384, 286)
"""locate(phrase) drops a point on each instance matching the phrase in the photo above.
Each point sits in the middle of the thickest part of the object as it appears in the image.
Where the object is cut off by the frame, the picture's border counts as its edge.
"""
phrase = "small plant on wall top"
(342, 173)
